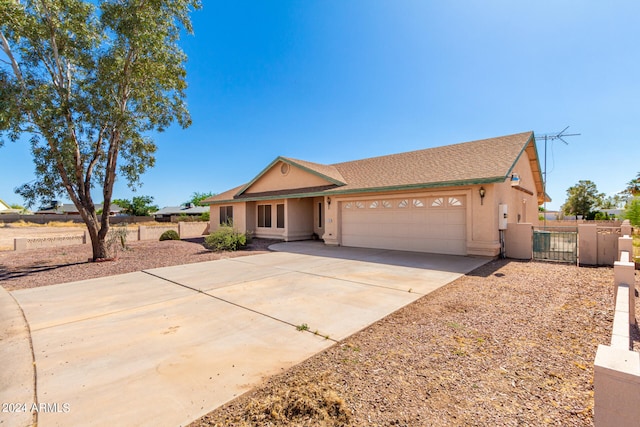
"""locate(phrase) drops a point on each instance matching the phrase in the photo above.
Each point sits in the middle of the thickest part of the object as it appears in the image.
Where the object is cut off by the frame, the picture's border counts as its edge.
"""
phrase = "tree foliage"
(632, 211)
(582, 198)
(87, 82)
(197, 198)
(137, 206)
(613, 202)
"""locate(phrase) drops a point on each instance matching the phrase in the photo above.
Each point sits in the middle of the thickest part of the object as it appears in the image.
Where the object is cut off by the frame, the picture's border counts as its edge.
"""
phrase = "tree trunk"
(99, 247)
(97, 233)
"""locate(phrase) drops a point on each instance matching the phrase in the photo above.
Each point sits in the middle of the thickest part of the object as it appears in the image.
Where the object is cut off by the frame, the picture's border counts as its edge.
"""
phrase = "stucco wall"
(239, 217)
(482, 220)
(274, 180)
(525, 206)
(518, 241)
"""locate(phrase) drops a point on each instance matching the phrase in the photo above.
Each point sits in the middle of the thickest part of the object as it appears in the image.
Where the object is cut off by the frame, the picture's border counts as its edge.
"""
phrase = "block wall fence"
(142, 232)
(616, 370)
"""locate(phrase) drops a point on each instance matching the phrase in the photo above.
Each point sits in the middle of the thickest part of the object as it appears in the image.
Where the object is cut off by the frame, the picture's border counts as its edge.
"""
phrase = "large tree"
(582, 198)
(87, 83)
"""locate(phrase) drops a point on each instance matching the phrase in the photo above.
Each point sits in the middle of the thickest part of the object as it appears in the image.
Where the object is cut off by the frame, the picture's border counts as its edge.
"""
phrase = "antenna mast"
(550, 137)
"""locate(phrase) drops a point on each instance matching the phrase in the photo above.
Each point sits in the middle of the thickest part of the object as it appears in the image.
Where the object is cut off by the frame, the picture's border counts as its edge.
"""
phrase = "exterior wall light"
(329, 201)
(482, 192)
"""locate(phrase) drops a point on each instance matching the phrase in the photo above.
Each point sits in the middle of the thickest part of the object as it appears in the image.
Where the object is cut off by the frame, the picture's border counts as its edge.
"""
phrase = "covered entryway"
(435, 224)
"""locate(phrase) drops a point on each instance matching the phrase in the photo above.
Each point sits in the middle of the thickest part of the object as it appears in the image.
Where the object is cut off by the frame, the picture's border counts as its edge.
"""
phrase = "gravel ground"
(511, 343)
(41, 267)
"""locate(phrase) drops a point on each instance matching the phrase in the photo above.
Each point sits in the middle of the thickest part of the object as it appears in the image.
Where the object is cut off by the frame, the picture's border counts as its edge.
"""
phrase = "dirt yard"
(8, 232)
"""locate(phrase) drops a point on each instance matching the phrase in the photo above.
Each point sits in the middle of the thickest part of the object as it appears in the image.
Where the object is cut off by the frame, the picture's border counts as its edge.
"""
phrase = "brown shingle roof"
(477, 160)
(227, 195)
(487, 160)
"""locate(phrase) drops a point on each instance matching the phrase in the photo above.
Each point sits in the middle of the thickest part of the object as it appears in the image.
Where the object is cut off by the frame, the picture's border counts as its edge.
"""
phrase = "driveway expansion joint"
(229, 302)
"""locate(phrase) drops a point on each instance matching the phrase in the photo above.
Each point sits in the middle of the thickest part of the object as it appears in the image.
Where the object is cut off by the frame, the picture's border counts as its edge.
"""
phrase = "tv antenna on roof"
(550, 137)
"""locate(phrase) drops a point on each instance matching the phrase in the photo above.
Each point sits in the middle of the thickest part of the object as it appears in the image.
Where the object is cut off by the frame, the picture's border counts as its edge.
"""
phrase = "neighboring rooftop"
(70, 209)
(188, 209)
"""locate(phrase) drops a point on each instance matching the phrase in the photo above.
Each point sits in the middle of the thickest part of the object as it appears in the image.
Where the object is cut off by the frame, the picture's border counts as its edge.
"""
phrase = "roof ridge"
(433, 148)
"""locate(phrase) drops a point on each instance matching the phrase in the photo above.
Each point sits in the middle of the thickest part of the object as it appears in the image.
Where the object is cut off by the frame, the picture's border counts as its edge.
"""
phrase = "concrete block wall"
(21, 244)
(184, 230)
(616, 367)
(518, 241)
(154, 233)
(193, 229)
(598, 245)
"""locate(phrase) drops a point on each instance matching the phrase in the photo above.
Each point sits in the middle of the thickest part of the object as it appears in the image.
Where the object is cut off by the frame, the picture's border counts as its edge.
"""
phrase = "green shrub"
(225, 239)
(204, 216)
(632, 211)
(169, 235)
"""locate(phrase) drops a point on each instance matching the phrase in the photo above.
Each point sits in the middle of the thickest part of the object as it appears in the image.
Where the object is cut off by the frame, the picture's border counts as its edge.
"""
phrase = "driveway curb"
(18, 373)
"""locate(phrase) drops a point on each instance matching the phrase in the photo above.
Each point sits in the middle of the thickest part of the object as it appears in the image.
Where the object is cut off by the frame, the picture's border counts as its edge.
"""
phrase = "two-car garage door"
(423, 224)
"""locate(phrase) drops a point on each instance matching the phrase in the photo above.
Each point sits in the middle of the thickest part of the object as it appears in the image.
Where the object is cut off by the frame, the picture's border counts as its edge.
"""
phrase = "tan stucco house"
(441, 200)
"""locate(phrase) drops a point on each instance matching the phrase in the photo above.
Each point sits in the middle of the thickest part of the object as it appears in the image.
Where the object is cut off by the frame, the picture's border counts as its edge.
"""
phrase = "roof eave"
(336, 192)
(534, 162)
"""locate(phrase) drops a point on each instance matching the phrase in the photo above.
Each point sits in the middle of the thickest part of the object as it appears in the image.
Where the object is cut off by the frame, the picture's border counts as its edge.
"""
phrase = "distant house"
(188, 209)
(448, 199)
(56, 208)
(6, 209)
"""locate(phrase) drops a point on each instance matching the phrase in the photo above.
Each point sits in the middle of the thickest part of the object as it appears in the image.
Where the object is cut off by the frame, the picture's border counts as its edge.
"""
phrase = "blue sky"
(330, 81)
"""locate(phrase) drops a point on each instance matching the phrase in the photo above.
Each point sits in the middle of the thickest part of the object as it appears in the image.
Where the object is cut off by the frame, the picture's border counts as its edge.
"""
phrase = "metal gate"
(555, 244)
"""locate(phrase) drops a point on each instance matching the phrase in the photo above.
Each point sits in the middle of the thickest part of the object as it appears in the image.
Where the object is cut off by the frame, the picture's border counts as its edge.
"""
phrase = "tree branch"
(14, 64)
(96, 156)
(54, 47)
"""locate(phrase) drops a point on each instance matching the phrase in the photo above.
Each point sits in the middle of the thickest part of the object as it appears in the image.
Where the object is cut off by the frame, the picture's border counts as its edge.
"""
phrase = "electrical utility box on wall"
(502, 217)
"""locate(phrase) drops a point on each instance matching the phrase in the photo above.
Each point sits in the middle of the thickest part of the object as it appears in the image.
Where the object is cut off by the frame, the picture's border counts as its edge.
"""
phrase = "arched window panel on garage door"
(455, 202)
(437, 202)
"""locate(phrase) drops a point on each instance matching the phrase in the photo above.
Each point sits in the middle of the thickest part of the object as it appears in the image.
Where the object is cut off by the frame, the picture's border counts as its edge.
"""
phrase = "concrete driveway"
(164, 346)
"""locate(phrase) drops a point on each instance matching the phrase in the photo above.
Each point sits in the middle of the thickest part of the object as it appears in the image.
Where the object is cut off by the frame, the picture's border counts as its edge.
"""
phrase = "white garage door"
(422, 224)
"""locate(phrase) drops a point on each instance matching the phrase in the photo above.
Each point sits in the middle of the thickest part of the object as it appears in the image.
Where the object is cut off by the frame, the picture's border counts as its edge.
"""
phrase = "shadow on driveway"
(427, 261)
